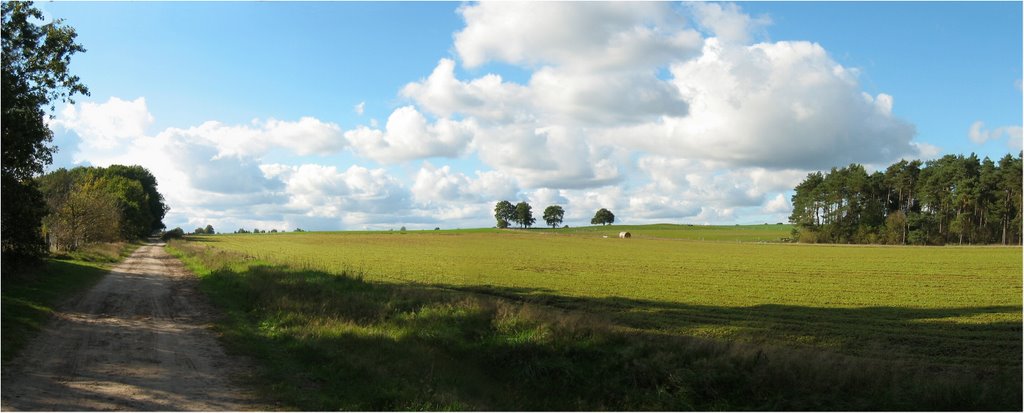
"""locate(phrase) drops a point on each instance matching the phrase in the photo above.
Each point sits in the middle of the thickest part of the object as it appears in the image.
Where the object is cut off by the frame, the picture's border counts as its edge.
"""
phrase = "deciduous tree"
(35, 77)
(553, 215)
(504, 213)
(524, 215)
(603, 217)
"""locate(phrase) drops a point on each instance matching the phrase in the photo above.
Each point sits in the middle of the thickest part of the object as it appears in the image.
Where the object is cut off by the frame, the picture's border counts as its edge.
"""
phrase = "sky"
(365, 115)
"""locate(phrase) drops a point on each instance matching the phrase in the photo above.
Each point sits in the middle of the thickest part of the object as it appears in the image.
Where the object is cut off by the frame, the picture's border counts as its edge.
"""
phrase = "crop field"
(930, 307)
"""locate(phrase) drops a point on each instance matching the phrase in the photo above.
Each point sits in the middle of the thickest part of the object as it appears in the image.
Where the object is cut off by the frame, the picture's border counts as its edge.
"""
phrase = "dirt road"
(139, 340)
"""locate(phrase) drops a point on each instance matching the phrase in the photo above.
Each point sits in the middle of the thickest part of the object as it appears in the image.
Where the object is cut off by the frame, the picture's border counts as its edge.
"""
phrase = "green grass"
(31, 295)
(535, 320)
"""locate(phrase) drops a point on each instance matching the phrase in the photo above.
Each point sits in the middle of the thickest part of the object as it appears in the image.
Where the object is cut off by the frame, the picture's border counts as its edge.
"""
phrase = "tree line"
(64, 209)
(93, 204)
(955, 199)
(522, 214)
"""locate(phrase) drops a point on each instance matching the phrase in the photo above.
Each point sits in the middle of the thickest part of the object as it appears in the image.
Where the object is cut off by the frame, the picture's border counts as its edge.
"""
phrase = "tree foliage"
(68, 225)
(954, 199)
(603, 217)
(176, 233)
(524, 215)
(89, 213)
(35, 77)
(553, 215)
(504, 213)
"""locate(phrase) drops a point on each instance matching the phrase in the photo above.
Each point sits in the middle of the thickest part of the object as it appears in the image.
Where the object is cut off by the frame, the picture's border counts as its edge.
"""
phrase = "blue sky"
(379, 115)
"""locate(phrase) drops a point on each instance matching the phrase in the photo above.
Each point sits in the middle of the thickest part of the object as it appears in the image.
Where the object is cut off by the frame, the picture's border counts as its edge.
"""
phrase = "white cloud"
(568, 96)
(324, 191)
(652, 206)
(360, 108)
(408, 135)
(595, 35)
(443, 186)
(212, 173)
(979, 135)
(554, 156)
(726, 21)
(105, 125)
(307, 136)
(775, 105)
(543, 197)
(778, 205)
(488, 98)
(710, 183)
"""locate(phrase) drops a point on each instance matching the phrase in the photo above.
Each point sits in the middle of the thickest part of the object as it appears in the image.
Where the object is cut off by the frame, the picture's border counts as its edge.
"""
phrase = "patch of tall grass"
(328, 341)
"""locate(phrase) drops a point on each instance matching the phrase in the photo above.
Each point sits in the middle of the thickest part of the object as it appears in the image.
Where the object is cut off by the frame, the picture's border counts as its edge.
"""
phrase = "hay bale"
(625, 235)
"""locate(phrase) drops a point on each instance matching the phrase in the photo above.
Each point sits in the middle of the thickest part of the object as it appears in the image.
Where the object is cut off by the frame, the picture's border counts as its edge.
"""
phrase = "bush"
(176, 233)
(808, 237)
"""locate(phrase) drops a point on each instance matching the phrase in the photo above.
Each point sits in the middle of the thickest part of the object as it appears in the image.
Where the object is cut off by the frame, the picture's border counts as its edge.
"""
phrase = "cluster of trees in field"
(261, 231)
(208, 230)
(92, 204)
(954, 199)
(522, 214)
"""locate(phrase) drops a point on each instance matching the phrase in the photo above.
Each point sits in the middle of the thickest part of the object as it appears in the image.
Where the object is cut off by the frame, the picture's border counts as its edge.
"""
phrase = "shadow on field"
(328, 342)
(971, 336)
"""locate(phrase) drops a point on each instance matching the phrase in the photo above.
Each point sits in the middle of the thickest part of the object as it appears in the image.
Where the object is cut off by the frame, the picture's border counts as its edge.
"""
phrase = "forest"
(955, 199)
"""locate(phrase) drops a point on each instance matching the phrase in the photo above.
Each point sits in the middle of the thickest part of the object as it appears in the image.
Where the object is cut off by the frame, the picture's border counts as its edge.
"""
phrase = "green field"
(953, 310)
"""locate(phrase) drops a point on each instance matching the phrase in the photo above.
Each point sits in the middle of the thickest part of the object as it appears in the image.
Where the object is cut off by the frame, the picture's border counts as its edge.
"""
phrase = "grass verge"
(328, 342)
(31, 295)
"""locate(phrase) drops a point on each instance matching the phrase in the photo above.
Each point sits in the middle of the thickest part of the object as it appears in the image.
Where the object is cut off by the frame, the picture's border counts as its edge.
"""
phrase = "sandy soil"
(138, 340)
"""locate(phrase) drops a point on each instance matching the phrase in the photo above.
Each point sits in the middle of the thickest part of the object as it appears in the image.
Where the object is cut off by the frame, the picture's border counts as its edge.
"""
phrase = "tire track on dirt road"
(138, 340)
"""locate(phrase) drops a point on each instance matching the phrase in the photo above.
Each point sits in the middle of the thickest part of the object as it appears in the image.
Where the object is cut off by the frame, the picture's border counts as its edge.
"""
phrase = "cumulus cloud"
(595, 35)
(360, 108)
(409, 135)
(212, 173)
(776, 105)
(307, 136)
(105, 125)
(778, 205)
(324, 191)
(442, 185)
(648, 206)
(782, 105)
(979, 134)
(727, 22)
(567, 97)
(488, 99)
(552, 156)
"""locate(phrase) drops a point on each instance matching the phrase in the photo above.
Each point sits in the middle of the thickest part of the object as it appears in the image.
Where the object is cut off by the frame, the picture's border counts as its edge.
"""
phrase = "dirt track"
(138, 340)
